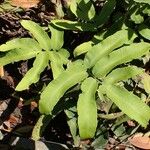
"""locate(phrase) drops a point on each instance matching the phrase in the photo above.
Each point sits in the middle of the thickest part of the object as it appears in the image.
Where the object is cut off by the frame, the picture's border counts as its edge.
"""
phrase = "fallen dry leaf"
(33, 105)
(24, 3)
(142, 142)
(20, 104)
(1, 71)
(13, 120)
(3, 107)
(131, 123)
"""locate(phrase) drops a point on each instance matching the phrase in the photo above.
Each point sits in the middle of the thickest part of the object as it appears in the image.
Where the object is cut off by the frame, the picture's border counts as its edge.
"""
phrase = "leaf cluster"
(103, 72)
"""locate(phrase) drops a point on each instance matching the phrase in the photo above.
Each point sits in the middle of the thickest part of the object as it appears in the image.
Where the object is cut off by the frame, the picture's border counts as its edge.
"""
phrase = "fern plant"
(95, 61)
(39, 47)
(108, 61)
(101, 75)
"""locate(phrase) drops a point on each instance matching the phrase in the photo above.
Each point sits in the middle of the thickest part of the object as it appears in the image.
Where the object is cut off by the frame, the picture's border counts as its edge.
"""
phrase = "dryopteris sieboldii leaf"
(25, 43)
(33, 75)
(106, 46)
(16, 55)
(129, 103)
(57, 38)
(87, 109)
(83, 9)
(122, 74)
(38, 33)
(120, 56)
(58, 59)
(57, 88)
(105, 13)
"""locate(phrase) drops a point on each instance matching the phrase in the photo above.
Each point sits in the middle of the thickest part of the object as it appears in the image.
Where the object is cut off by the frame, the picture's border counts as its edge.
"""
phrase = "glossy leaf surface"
(144, 31)
(142, 1)
(83, 48)
(83, 9)
(136, 16)
(146, 82)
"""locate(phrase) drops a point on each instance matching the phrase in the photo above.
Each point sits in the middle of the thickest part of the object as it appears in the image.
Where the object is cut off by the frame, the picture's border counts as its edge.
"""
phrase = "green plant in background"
(86, 17)
(101, 76)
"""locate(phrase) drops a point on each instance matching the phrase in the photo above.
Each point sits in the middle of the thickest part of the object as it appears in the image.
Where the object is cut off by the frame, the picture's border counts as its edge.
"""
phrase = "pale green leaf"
(64, 55)
(72, 123)
(57, 38)
(120, 56)
(58, 59)
(105, 13)
(56, 63)
(136, 16)
(106, 46)
(128, 103)
(73, 25)
(38, 33)
(143, 1)
(33, 75)
(87, 109)
(83, 48)
(73, 7)
(59, 9)
(83, 9)
(16, 55)
(144, 31)
(86, 46)
(1, 135)
(146, 82)
(25, 43)
(36, 132)
(146, 10)
(57, 88)
(122, 74)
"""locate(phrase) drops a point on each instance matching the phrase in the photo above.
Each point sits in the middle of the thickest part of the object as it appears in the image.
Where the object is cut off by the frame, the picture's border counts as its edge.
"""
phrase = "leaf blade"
(56, 89)
(20, 43)
(39, 34)
(103, 48)
(122, 74)
(105, 13)
(87, 122)
(33, 75)
(57, 38)
(120, 56)
(73, 25)
(58, 59)
(16, 55)
(128, 103)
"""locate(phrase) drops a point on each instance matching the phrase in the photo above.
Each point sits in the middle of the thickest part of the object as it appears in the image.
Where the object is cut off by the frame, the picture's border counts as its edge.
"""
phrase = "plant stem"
(111, 116)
